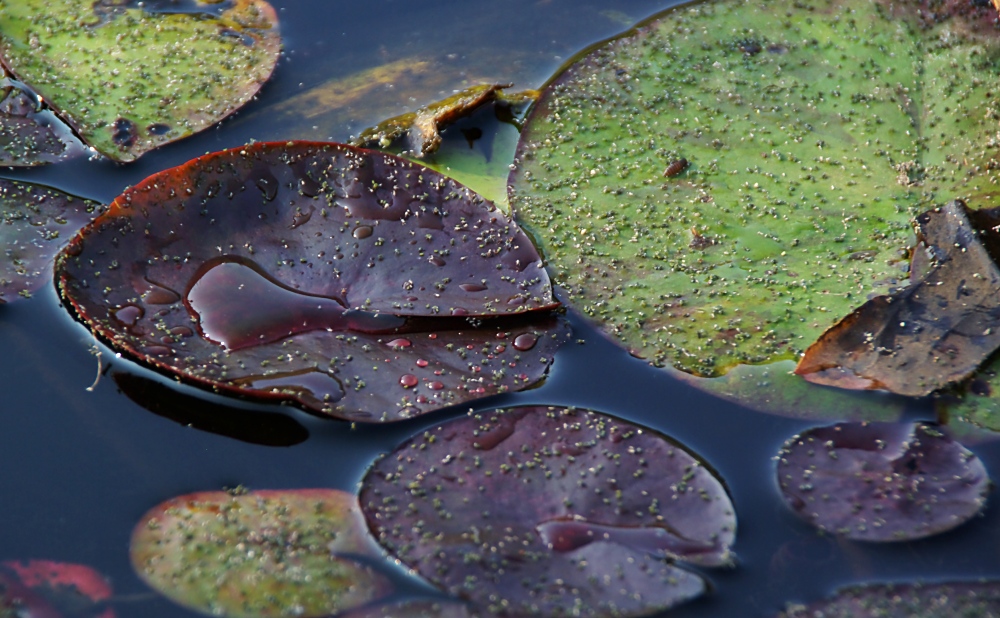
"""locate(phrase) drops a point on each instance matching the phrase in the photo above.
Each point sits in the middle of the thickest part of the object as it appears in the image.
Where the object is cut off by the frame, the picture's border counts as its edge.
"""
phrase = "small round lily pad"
(350, 282)
(48, 589)
(881, 481)
(35, 223)
(930, 600)
(128, 79)
(259, 554)
(540, 511)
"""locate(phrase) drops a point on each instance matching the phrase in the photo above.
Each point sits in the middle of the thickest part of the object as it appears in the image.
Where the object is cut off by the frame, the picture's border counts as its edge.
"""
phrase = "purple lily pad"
(35, 223)
(939, 600)
(550, 512)
(881, 481)
(259, 554)
(415, 609)
(47, 589)
(31, 134)
(350, 282)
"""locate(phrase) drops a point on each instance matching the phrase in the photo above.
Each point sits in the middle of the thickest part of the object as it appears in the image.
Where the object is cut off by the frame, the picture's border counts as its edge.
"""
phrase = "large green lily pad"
(128, 79)
(813, 131)
(259, 554)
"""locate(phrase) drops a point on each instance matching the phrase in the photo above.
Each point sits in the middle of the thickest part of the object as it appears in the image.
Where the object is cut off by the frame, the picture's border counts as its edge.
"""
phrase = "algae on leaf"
(814, 131)
(128, 79)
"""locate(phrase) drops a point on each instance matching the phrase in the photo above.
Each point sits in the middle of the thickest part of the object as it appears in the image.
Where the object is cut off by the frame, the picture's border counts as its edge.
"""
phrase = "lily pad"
(931, 600)
(930, 334)
(47, 589)
(259, 554)
(881, 481)
(129, 80)
(538, 511)
(30, 134)
(809, 148)
(350, 282)
(35, 223)
(415, 609)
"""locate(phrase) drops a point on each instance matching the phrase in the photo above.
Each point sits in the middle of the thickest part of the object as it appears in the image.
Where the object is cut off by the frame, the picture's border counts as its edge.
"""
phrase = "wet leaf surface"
(264, 428)
(415, 609)
(808, 148)
(423, 127)
(930, 334)
(46, 589)
(930, 600)
(35, 223)
(550, 512)
(379, 289)
(129, 80)
(259, 554)
(29, 133)
(881, 481)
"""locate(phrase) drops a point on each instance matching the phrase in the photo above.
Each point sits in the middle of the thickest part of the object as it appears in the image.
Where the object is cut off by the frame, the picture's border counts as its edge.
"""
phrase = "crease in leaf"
(259, 554)
(350, 282)
(35, 223)
(587, 515)
(810, 148)
(932, 333)
(128, 80)
(881, 481)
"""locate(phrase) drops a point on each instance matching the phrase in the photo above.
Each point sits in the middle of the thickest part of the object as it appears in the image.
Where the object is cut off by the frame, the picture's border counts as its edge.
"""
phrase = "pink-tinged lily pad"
(30, 134)
(350, 282)
(551, 512)
(932, 600)
(259, 554)
(129, 79)
(881, 481)
(47, 589)
(35, 223)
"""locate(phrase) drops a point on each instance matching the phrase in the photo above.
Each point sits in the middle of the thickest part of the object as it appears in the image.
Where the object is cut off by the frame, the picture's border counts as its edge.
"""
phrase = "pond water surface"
(80, 467)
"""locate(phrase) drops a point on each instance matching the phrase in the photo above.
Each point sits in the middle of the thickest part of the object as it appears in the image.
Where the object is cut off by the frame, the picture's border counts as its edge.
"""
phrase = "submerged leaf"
(30, 134)
(259, 554)
(809, 149)
(550, 511)
(422, 128)
(46, 589)
(932, 333)
(931, 600)
(128, 79)
(881, 481)
(351, 282)
(35, 223)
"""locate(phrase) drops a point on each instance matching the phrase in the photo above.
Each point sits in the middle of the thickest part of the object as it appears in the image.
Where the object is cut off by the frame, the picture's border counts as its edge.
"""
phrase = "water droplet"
(157, 350)
(400, 343)
(363, 231)
(158, 129)
(435, 385)
(459, 311)
(422, 363)
(408, 380)
(472, 287)
(310, 386)
(237, 304)
(525, 341)
(436, 260)
(129, 315)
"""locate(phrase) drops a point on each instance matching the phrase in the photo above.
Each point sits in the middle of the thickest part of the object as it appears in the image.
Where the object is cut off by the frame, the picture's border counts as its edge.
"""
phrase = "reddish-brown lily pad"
(539, 511)
(350, 282)
(47, 589)
(932, 333)
(35, 223)
(937, 600)
(259, 554)
(30, 134)
(881, 481)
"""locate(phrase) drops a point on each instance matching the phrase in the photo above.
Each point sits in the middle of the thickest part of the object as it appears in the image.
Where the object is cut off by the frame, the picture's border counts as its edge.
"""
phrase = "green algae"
(128, 80)
(263, 553)
(812, 138)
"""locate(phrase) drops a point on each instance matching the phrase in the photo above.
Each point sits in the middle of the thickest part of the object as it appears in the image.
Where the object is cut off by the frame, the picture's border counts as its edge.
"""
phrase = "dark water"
(80, 467)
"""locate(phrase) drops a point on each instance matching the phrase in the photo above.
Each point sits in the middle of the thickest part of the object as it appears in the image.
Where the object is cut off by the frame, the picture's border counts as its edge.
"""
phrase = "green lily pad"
(128, 79)
(813, 132)
(260, 554)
